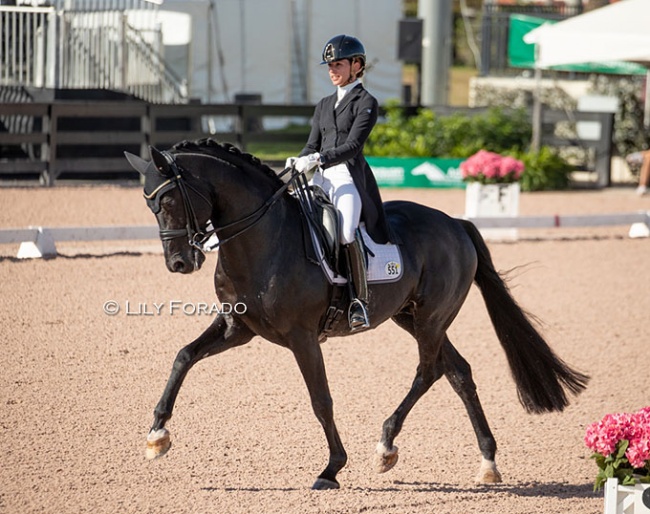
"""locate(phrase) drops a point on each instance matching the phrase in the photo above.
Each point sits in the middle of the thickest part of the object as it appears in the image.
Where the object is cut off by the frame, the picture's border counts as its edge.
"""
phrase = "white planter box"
(493, 201)
(624, 499)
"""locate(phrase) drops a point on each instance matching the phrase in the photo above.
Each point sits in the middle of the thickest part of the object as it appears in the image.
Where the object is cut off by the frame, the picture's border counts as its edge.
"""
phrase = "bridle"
(197, 236)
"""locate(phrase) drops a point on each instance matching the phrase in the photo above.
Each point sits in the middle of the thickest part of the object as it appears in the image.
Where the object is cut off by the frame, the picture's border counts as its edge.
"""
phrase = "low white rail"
(38, 242)
(557, 221)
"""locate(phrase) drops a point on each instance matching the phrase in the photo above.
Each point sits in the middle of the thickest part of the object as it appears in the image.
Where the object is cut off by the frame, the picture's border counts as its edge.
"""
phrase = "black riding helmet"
(343, 47)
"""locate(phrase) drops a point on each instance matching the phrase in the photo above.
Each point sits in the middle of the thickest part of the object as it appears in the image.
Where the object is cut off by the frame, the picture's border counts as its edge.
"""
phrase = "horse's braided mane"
(226, 152)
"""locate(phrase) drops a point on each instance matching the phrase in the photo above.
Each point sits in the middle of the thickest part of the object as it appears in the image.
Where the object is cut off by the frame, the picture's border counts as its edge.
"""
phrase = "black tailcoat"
(339, 135)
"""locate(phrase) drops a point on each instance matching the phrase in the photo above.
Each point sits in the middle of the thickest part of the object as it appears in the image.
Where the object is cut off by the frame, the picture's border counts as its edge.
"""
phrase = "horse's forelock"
(226, 152)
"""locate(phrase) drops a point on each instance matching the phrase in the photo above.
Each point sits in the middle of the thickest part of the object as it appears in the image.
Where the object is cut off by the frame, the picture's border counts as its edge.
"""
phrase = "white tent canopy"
(616, 32)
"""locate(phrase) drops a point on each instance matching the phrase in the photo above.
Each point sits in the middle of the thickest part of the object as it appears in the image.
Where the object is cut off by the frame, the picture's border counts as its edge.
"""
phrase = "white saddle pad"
(384, 261)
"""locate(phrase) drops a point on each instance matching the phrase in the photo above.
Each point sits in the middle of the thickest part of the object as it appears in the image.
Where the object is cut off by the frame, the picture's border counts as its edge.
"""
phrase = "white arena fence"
(36, 242)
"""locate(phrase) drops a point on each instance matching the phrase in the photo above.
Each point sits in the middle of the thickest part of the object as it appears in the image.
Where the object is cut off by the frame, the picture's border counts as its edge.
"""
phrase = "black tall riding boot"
(358, 284)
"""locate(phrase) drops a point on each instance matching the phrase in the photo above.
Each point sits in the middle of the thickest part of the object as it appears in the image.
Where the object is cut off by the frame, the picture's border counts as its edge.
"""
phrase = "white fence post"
(42, 246)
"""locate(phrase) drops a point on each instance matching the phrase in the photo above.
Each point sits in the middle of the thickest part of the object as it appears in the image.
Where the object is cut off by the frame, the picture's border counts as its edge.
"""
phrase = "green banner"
(416, 172)
(522, 55)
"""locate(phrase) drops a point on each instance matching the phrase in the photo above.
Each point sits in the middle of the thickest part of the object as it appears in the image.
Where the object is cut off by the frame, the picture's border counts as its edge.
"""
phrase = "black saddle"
(328, 216)
(322, 218)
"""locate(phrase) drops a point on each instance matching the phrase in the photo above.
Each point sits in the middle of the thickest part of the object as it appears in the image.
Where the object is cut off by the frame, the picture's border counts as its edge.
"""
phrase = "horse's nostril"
(178, 266)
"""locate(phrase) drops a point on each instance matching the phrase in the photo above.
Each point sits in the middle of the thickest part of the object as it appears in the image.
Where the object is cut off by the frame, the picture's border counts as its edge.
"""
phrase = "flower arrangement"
(491, 168)
(621, 446)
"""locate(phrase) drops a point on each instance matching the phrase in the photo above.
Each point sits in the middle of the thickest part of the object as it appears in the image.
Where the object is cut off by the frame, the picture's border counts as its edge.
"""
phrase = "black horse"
(263, 264)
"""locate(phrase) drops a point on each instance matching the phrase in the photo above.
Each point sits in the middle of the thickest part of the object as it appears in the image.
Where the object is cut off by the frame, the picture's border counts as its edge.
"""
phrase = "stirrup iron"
(358, 315)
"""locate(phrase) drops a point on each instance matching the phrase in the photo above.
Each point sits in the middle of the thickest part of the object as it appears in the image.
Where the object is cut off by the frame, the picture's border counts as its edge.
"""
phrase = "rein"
(196, 236)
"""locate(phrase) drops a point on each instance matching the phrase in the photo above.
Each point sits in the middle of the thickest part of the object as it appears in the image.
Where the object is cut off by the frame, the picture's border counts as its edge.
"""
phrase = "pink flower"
(603, 436)
(489, 167)
(644, 415)
(614, 433)
(638, 453)
(511, 165)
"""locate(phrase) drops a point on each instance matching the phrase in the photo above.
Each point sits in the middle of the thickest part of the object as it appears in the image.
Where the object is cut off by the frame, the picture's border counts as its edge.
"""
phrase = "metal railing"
(105, 5)
(26, 44)
(147, 74)
(94, 49)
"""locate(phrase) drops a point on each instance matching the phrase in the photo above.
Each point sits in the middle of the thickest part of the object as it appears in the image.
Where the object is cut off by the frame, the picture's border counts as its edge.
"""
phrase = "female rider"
(340, 126)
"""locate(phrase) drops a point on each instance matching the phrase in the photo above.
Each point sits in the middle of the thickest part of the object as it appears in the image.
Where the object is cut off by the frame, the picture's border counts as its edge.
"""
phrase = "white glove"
(308, 162)
(290, 162)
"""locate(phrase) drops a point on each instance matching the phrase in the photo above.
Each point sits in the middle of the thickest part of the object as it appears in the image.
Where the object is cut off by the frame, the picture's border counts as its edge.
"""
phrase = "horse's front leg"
(428, 371)
(386, 452)
(225, 332)
(310, 361)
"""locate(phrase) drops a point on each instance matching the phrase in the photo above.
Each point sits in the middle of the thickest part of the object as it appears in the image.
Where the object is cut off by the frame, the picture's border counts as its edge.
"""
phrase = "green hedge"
(459, 135)
(545, 170)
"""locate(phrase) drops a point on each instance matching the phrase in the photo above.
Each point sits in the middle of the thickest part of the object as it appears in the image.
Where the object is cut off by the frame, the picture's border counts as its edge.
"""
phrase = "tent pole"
(646, 114)
(537, 111)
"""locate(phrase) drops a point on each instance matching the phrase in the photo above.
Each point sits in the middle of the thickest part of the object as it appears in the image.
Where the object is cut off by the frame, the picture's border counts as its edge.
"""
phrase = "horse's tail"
(539, 374)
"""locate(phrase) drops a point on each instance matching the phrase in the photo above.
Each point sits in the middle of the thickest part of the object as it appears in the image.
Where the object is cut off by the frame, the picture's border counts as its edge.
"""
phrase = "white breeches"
(337, 183)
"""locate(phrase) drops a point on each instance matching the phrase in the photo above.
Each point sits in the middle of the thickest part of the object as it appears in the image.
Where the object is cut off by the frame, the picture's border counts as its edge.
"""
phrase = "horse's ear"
(162, 165)
(138, 163)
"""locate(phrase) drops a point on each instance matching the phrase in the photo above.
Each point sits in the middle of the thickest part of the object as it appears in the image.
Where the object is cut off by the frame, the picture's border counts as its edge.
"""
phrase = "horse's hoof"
(158, 443)
(385, 459)
(488, 474)
(322, 484)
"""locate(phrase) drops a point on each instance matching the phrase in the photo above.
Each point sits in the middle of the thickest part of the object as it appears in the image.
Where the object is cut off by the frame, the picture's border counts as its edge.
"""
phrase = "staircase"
(84, 47)
(81, 50)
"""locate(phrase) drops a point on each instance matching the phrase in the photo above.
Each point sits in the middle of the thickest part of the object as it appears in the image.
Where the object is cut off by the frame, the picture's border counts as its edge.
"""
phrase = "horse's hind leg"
(431, 367)
(459, 374)
(224, 333)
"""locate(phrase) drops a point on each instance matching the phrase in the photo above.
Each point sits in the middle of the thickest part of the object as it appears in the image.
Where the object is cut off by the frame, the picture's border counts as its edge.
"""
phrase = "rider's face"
(341, 71)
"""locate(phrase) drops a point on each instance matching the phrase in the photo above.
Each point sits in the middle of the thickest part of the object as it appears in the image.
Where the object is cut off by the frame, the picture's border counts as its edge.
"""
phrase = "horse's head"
(198, 183)
(182, 208)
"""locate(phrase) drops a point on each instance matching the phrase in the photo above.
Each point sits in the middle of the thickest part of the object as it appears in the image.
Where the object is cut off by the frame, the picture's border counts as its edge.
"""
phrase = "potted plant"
(491, 168)
(492, 189)
(621, 446)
